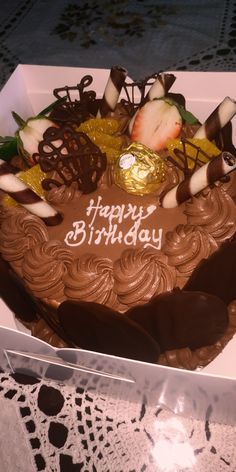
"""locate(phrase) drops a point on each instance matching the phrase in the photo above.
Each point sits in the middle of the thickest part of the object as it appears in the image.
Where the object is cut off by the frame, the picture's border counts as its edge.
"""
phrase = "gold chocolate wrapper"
(139, 170)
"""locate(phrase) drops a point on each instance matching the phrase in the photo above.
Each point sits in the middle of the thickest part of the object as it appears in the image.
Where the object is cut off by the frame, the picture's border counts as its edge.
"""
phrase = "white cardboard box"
(210, 393)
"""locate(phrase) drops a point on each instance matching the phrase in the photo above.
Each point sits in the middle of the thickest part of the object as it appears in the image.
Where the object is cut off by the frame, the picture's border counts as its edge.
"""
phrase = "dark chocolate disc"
(217, 274)
(14, 295)
(98, 328)
(181, 319)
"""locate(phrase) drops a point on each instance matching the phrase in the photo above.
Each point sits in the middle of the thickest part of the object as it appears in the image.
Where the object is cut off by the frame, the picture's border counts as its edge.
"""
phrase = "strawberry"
(156, 122)
(29, 136)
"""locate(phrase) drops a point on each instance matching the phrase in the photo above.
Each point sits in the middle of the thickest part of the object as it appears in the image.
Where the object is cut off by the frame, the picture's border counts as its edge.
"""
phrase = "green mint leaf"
(18, 119)
(52, 106)
(187, 116)
(6, 139)
(8, 150)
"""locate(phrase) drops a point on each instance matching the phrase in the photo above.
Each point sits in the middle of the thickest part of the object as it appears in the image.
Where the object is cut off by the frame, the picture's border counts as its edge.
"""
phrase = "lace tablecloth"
(143, 36)
(46, 426)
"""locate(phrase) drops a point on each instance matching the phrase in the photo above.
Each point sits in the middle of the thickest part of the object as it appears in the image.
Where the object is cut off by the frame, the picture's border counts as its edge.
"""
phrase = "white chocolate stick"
(112, 90)
(161, 86)
(206, 175)
(222, 114)
(26, 197)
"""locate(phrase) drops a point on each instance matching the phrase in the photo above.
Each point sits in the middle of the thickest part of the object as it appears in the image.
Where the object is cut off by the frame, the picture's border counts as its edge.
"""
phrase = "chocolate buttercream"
(215, 211)
(91, 278)
(140, 274)
(44, 267)
(20, 231)
(186, 246)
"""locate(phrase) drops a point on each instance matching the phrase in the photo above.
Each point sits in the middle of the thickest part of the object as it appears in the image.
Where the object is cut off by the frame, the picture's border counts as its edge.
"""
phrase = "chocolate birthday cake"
(124, 223)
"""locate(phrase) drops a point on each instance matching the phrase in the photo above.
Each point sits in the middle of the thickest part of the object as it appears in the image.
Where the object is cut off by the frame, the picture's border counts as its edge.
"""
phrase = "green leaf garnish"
(8, 149)
(8, 144)
(53, 105)
(18, 119)
(187, 116)
(6, 139)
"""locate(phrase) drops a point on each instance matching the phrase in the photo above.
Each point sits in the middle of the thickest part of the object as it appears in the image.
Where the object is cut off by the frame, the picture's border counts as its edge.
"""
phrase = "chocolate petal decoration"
(14, 294)
(98, 328)
(181, 319)
(217, 274)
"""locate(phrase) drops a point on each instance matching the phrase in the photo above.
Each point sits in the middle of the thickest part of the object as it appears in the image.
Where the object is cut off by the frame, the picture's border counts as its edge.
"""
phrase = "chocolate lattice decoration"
(143, 86)
(79, 104)
(183, 158)
(74, 158)
(75, 110)
(130, 88)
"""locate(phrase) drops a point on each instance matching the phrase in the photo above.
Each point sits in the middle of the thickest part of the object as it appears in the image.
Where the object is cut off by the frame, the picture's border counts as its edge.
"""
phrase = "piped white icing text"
(114, 215)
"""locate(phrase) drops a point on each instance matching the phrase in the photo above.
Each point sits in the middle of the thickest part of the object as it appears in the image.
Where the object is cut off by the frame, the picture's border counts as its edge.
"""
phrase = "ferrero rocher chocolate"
(139, 170)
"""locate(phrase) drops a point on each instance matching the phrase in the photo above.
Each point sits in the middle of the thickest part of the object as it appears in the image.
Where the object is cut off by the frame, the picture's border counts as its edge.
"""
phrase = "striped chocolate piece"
(112, 90)
(222, 114)
(26, 197)
(206, 175)
(160, 87)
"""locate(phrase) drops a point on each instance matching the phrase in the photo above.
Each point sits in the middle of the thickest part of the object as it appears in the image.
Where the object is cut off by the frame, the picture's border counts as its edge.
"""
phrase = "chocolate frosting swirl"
(215, 211)
(63, 194)
(44, 267)
(186, 246)
(28, 230)
(140, 274)
(90, 278)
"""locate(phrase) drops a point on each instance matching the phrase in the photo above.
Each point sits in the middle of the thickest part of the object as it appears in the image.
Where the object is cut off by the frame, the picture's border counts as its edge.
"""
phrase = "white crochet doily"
(46, 426)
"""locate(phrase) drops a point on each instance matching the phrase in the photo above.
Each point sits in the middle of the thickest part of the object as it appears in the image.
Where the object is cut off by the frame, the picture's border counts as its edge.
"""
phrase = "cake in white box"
(125, 222)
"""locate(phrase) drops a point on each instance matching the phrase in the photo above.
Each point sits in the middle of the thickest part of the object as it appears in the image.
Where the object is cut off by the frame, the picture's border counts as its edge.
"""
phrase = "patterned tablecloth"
(144, 35)
(51, 427)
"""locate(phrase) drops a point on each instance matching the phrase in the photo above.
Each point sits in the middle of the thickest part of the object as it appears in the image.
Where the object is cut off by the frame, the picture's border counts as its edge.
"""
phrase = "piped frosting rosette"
(44, 267)
(185, 247)
(140, 274)
(90, 278)
(63, 194)
(215, 211)
(28, 230)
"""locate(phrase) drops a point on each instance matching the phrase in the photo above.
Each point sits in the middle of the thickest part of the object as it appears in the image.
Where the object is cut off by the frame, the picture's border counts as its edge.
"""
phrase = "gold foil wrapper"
(139, 170)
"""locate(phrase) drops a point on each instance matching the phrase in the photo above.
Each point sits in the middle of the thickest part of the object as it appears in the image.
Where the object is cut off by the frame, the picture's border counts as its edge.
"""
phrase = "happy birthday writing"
(114, 215)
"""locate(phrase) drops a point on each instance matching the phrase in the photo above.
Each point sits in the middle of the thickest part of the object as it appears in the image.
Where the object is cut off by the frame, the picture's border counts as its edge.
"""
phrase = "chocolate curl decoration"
(206, 175)
(112, 90)
(222, 114)
(26, 197)
(74, 158)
